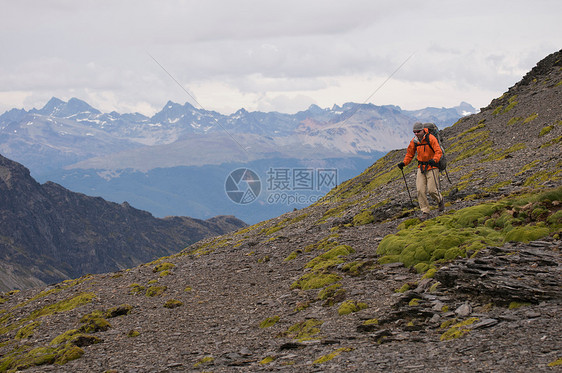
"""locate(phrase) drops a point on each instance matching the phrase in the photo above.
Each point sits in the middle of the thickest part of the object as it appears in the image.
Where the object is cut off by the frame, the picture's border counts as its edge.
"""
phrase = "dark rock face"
(50, 233)
(515, 273)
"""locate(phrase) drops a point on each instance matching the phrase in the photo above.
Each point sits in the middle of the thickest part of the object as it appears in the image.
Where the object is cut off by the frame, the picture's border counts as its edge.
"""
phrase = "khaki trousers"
(427, 183)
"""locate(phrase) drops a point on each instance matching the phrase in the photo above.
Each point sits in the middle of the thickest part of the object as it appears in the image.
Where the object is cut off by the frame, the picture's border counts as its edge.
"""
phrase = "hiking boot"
(442, 204)
(424, 216)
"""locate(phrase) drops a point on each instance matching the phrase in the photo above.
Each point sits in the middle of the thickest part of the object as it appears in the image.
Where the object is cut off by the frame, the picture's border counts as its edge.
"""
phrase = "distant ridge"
(50, 234)
(74, 134)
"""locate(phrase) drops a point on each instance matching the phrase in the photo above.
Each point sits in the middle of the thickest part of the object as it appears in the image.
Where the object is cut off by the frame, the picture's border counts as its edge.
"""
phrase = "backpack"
(432, 128)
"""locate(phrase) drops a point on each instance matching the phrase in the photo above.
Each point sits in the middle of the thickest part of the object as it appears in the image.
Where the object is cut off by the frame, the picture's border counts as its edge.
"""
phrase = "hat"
(418, 126)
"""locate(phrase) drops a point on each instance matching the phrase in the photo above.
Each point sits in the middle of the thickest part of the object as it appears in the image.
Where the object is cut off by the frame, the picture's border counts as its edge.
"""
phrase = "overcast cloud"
(269, 55)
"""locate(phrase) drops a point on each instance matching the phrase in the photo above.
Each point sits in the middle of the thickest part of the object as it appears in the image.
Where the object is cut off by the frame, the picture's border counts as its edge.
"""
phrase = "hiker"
(427, 179)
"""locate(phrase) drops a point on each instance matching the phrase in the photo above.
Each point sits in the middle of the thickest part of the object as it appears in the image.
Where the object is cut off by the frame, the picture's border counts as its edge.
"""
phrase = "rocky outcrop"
(514, 273)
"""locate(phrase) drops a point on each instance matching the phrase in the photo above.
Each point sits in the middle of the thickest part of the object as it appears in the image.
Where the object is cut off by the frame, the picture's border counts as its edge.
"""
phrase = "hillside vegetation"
(355, 282)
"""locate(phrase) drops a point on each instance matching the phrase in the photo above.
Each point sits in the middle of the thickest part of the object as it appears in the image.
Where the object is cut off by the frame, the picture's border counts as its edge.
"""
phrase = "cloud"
(268, 54)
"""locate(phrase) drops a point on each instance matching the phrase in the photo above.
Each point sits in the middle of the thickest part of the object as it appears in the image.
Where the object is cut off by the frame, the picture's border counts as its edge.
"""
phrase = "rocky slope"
(353, 283)
(49, 234)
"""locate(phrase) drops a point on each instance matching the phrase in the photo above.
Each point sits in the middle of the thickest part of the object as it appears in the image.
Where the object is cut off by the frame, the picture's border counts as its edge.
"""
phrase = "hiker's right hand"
(401, 165)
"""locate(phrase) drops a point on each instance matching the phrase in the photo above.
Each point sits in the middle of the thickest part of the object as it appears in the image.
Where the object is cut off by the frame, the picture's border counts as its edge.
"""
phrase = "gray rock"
(464, 310)
(485, 323)
(437, 306)
(435, 319)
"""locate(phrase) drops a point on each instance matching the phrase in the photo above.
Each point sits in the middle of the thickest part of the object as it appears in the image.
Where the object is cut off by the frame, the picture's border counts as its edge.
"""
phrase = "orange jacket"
(424, 151)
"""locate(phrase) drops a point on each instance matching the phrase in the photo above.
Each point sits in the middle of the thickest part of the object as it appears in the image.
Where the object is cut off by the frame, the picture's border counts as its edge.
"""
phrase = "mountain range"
(356, 282)
(176, 162)
(75, 135)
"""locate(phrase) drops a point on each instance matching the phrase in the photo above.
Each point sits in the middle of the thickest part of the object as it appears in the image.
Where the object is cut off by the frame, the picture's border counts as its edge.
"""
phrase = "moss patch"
(527, 167)
(94, 322)
(554, 141)
(430, 273)
(331, 356)
(324, 244)
(304, 331)
(356, 268)
(404, 288)
(27, 330)
(499, 155)
(351, 306)
(531, 118)
(136, 288)
(267, 360)
(269, 322)
(207, 360)
(173, 303)
(514, 120)
(457, 330)
(282, 224)
(545, 130)
(155, 291)
(363, 218)
(292, 255)
(23, 357)
(330, 258)
(64, 337)
(163, 267)
(133, 333)
(414, 302)
(540, 177)
(514, 305)
(481, 124)
(331, 294)
(314, 280)
(207, 247)
(526, 233)
(409, 223)
(320, 268)
(20, 359)
(64, 305)
(511, 104)
(517, 218)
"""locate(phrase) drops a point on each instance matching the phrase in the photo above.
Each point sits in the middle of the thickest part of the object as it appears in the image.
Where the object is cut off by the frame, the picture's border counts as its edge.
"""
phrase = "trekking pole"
(447, 174)
(409, 195)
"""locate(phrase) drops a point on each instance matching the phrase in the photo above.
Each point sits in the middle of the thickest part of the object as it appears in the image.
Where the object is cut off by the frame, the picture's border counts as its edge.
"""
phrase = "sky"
(269, 55)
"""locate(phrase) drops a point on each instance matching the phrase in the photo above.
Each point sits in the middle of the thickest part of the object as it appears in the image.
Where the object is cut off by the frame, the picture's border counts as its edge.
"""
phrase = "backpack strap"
(428, 143)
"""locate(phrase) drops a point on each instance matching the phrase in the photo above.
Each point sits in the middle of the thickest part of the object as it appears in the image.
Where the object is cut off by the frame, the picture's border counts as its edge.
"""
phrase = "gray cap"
(418, 126)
